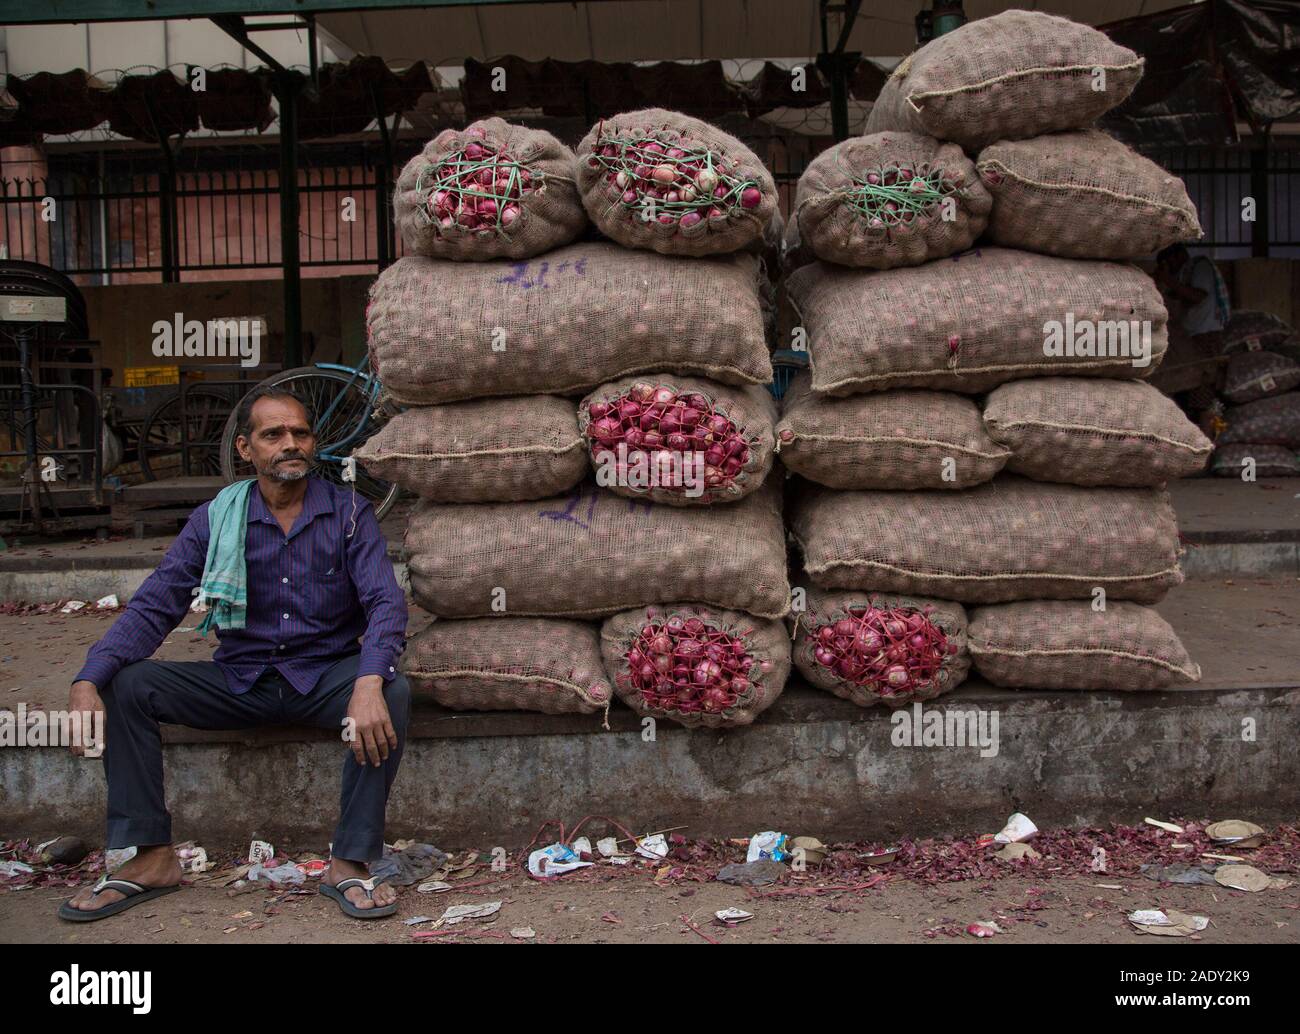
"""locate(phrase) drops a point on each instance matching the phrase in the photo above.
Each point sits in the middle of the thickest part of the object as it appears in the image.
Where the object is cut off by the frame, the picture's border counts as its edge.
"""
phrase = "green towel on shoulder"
(224, 587)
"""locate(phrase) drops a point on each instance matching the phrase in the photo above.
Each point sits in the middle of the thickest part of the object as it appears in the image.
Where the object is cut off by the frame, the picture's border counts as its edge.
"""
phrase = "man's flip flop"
(336, 892)
(136, 894)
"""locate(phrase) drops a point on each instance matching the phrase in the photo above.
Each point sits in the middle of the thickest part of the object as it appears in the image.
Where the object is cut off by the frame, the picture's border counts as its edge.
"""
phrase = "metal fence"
(130, 220)
(123, 218)
(1220, 180)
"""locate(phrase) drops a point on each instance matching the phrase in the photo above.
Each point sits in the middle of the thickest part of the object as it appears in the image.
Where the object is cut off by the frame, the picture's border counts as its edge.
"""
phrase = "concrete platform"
(811, 764)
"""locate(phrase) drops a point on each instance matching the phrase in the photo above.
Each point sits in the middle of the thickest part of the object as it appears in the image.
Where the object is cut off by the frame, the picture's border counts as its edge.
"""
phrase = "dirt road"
(1036, 901)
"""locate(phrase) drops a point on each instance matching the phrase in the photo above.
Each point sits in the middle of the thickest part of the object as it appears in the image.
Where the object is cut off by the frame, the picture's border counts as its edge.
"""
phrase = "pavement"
(636, 908)
(1070, 759)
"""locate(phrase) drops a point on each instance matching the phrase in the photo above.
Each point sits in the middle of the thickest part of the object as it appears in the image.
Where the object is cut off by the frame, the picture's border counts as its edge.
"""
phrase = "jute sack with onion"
(509, 664)
(563, 323)
(1056, 644)
(695, 665)
(880, 648)
(889, 199)
(490, 190)
(684, 441)
(670, 183)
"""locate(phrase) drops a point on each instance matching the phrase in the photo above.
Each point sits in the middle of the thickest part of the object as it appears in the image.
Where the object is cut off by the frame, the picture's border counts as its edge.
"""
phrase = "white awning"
(663, 30)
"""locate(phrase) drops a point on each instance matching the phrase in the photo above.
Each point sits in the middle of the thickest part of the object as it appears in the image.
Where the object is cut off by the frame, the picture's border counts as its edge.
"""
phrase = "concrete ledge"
(812, 764)
(50, 579)
(1259, 555)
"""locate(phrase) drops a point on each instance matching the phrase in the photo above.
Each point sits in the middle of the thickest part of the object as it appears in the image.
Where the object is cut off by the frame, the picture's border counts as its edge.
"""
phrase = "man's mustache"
(286, 456)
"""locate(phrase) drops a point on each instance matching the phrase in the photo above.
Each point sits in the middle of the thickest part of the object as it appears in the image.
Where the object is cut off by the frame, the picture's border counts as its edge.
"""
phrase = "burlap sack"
(1010, 539)
(976, 320)
(887, 439)
(530, 218)
(824, 609)
(1088, 432)
(562, 324)
(1249, 330)
(624, 210)
(494, 450)
(766, 650)
(509, 664)
(1084, 195)
(1269, 461)
(593, 553)
(1017, 74)
(1257, 375)
(750, 412)
(1046, 644)
(844, 216)
(1271, 421)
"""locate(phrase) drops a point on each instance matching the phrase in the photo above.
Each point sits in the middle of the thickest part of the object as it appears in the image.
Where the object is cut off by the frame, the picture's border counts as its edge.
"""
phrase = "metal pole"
(166, 200)
(313, 61)
(835, 63)
(839, 98)
(29, 424)
(387, 241)
(106, 276)
(287, 94)
(1259, 229)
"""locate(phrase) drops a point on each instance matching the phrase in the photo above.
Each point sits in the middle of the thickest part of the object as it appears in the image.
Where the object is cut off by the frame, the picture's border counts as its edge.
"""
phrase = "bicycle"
(348, 408)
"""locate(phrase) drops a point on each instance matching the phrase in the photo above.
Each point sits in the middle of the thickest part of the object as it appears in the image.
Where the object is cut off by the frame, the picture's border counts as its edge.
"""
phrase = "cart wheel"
(159, 450)
(351, 420)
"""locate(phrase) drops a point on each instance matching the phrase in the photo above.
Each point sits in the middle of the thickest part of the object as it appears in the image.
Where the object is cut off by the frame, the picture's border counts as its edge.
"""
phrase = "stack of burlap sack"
(975, 431)
(589, 428)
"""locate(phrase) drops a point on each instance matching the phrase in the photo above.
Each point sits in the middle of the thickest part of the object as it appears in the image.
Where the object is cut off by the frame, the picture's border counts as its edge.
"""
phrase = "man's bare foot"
(341, 869)
(155, 866)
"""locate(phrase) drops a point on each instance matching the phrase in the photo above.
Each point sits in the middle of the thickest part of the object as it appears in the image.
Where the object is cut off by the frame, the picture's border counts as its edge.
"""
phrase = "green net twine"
(454, 189)
(694, 180)
(896, 194)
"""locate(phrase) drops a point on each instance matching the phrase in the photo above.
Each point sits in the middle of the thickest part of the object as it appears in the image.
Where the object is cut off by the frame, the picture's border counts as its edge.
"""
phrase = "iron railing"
(109, 223)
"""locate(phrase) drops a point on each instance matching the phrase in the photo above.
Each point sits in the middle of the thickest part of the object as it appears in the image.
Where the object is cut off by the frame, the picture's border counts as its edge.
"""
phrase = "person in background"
(311, 622)
(1194, 291)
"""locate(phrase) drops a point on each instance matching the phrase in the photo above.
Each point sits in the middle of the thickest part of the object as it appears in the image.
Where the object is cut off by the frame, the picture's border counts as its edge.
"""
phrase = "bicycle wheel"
(351, 409)
(160, 448)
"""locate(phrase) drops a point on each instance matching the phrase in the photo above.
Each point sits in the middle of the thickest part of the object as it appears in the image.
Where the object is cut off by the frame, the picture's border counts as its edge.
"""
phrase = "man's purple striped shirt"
(311, 595)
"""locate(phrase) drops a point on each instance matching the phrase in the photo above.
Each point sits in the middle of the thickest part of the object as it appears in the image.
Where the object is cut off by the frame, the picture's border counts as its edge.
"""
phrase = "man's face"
(280, 444)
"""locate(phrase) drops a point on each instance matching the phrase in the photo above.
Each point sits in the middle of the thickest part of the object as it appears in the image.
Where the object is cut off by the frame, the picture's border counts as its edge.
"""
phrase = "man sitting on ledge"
(294, 570)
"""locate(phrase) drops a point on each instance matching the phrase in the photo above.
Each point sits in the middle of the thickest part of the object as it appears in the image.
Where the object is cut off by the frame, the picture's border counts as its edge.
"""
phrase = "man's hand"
(372, 729)
(84, 697)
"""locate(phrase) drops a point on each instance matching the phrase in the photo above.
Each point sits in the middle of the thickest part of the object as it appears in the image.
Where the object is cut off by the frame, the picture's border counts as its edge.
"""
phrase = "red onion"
(685, 184)
(891, 652)
(651, 417)
(476, 188)
(894, 196)
(694, 666)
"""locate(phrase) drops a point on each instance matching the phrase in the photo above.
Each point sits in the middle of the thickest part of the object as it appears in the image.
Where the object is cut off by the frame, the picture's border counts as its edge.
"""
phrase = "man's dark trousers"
(193, 693)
